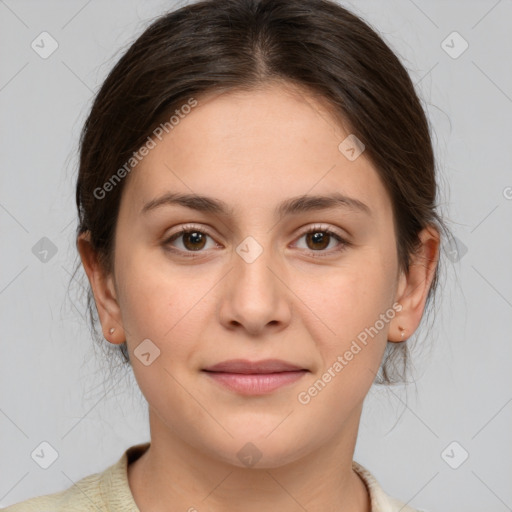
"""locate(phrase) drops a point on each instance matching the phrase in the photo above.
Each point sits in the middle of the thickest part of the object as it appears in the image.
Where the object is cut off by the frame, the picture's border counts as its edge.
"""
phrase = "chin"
(258, 451)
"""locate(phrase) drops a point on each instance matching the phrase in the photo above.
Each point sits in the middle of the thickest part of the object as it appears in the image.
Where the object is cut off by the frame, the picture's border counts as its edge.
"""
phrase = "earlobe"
(413, 287)
(397, 334)
(103, 289)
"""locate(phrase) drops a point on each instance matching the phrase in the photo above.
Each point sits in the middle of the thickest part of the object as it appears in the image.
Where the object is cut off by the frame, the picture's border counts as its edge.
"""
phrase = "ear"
(413, 288)
(103, 288)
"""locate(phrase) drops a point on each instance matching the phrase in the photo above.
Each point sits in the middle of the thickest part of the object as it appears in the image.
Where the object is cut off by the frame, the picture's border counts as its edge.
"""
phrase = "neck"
(172, 474)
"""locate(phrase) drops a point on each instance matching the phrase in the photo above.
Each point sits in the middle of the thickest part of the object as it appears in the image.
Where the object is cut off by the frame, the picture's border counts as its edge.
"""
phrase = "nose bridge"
(252, 262)
(255, 295)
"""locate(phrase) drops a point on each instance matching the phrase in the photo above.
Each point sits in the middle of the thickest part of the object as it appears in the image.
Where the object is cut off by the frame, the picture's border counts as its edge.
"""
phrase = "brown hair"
(222, 45)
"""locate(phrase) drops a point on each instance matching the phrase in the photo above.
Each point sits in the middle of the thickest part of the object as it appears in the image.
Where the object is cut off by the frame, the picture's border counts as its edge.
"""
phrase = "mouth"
(254, 378)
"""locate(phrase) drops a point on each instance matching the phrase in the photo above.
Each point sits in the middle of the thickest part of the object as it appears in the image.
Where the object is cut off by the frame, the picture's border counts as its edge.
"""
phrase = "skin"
(253, 150)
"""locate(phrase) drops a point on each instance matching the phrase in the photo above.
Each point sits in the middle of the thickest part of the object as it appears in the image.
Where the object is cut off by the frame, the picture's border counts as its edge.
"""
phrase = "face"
(247, 281)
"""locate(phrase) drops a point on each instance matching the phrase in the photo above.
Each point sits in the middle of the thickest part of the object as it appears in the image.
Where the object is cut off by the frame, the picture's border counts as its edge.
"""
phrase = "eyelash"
(314, 229)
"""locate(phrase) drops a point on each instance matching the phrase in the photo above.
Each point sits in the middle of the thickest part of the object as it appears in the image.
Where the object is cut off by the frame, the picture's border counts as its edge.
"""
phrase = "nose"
(255, 297)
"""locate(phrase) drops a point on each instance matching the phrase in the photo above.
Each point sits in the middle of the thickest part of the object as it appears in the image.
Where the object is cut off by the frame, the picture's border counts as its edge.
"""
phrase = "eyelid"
(321, 227)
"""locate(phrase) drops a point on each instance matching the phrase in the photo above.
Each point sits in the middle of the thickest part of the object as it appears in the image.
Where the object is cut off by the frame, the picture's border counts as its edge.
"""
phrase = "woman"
(258, 224)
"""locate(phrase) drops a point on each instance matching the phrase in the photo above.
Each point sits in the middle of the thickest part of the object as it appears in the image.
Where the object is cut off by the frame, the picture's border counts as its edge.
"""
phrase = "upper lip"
(246, 366)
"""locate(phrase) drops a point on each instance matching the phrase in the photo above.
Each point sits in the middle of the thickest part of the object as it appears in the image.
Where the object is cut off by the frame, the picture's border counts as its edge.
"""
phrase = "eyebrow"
(291, 206)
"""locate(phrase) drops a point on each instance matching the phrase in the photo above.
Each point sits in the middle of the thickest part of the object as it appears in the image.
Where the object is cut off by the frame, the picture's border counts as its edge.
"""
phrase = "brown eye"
(319, 239)
(188, 240)
(194, 240)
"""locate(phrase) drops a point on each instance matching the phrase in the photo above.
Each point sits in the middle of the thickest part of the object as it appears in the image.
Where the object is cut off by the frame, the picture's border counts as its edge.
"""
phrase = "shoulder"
(104, 491)
(84, 495)
(380, 501)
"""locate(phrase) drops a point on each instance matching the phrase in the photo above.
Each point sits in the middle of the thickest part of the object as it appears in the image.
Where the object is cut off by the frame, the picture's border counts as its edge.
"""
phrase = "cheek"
(161, 306)
(344, 320)
(161, 301)
(346, 300)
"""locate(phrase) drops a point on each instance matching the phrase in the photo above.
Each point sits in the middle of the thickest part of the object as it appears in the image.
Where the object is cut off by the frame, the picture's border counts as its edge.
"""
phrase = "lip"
(250, 367)
(254, 378)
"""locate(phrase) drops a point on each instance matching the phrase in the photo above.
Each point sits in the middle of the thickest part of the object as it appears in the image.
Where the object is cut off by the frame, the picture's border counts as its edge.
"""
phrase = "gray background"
(51, 380)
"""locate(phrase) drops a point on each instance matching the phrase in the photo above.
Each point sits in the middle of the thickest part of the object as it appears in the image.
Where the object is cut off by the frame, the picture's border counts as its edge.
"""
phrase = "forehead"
(252, 148)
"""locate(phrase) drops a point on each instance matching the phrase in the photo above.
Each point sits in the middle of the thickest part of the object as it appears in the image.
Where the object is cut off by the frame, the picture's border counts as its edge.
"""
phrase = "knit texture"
(109, 491)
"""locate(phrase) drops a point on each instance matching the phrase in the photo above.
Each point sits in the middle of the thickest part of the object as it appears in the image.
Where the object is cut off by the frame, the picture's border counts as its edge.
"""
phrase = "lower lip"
(255, 383)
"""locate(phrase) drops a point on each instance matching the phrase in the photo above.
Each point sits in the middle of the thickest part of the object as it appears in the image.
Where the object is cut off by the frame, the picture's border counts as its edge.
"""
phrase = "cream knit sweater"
(109, 491)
